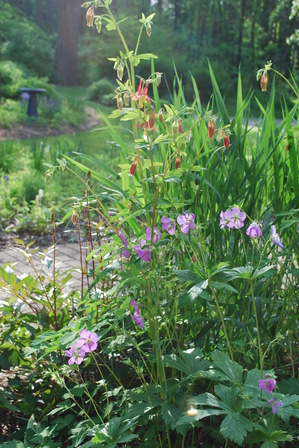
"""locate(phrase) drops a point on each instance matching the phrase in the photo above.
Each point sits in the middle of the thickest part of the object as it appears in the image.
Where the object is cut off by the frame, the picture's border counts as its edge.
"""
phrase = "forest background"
(50, 38)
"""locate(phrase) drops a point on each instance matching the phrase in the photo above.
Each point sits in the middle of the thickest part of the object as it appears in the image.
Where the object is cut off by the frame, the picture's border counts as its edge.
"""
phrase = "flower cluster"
(87, 342)
(268, 384)
(233, 218)
(137, 318)
(254, 230)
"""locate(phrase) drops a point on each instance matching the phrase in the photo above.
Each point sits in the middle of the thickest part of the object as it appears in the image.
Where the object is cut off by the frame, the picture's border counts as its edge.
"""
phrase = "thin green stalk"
(286, 80)
(257, 329)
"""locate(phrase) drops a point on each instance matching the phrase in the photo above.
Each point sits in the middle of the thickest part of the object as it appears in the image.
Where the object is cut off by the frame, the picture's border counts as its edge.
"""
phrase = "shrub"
(100, 89)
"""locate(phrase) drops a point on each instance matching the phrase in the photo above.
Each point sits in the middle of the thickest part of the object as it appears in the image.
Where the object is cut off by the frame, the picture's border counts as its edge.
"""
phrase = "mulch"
(34, 130)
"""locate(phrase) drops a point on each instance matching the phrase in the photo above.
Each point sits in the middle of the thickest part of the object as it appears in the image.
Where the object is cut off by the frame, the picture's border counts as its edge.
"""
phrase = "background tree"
(69, 14)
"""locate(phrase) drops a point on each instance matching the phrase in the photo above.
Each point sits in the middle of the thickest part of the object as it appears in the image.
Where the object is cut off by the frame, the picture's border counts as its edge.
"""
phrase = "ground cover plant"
(186, 333)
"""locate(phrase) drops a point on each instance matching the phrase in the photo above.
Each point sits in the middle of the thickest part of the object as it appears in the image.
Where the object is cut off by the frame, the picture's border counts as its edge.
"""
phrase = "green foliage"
(99, 90)
(23, 42)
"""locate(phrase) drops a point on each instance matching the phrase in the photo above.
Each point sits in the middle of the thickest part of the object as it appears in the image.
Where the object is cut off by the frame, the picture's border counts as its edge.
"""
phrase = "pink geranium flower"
(186, 222)
(88, 341)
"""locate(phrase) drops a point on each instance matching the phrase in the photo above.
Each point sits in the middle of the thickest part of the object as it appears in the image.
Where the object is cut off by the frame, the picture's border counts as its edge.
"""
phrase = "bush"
(11, 112)
(100, 89)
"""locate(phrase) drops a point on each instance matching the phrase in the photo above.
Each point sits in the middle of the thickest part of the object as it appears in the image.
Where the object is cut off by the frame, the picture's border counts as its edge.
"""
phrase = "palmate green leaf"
(190, 362)
(197, 289)
(259, 272)
(269, 444)
(223, 363)
(206, 399)
(235, 427)
(228, 395)
(170, 414)
(188, 276)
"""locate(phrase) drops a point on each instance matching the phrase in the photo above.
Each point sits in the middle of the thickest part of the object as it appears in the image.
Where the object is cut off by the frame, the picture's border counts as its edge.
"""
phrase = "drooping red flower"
(225, 139)
(141, 94)
(120, 103)
(211, 128)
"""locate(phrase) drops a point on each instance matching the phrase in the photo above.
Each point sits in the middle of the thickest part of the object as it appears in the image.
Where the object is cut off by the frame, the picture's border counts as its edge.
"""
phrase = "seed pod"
(90, 16)
(148, 28)
(211, 128)
(264, 82)
(98, 24)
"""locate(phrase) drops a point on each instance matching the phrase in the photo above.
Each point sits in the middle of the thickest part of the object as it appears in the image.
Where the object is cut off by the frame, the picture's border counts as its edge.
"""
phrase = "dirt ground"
(24, 131)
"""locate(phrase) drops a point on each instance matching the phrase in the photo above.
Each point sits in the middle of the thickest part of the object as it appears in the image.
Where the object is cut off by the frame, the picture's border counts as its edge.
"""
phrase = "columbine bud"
(225, 139)
(211, 128)
(90, 16)
(119, 102)
(287, 147)
(177, 162)
(120, 71)
(98, 24)
(161, 114)
(74, 217)
(175, 128)
(151, 120)
(180, 126)
(126, 99)
(158, 78)
(148, 29)
(264, 82)
(134, 166)
(193, 258)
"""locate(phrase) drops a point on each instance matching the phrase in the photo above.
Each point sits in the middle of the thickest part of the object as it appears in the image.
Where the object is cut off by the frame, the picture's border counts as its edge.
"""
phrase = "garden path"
(39, 260)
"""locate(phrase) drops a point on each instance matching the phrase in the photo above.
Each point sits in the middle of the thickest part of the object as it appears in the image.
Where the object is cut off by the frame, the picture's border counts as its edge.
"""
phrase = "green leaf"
(222, 362)
(170, 414)
(190, 363)
(235, 427)
(187, 276)
(197, 289)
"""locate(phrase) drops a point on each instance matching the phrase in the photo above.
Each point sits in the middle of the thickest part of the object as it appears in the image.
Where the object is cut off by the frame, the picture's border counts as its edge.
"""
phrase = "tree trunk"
(69, 14)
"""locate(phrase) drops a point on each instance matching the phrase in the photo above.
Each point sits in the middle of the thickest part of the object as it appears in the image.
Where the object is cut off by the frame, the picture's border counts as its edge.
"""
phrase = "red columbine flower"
(225, 139)
(90, 16)
(264, 82)
(177, 162)
(151, 120)
(141, 94)
(211, 128)
(134, 166)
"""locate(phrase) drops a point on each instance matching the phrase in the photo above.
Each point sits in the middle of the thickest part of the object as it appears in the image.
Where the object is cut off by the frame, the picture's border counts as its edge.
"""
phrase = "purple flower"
(144, 254)
(76, 354)
(276, 238)
(88, 341)
(168, 225)
(137, 318)
(186, 221)
(125, 253)
(232, 218)
(275, 403)
(268, 384)
(111, 213)
(253, 230)
(156, 234)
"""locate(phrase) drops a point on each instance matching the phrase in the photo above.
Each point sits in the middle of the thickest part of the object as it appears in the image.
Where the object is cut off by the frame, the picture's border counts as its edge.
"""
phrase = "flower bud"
(225, 139)
(120, 71)
(151, 121)
(148, 29)
(158, 78)
(194, 258)
(74, 217)
(264, 82)
(175, 128)
(98, 24)
(287, 147)
(126, 99)
(119, 102)
(90, 16)
(180, 126)
(161, 114)
(134, 166)
(177, 162)
(211, 128)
